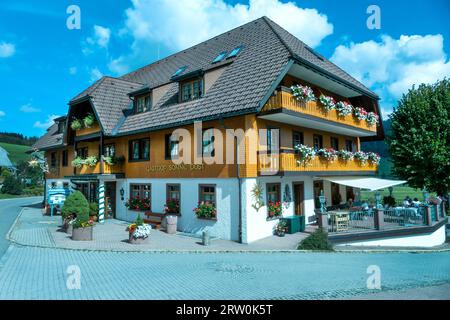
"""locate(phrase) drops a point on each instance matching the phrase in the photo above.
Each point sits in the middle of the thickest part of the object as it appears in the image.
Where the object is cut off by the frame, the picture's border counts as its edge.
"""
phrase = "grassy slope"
(399, 193)
(16, 152)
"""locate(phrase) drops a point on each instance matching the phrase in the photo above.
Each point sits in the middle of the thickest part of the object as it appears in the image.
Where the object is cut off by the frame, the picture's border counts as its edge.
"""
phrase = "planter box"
(138, 240)
(82, 234)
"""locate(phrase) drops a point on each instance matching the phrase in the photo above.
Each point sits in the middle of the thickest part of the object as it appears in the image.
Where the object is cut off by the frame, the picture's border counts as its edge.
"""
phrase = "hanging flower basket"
(328, 154)
(327, 102)
(361, 157)
(372, 118)
(303, 93)
(344, 108)
(360, 113)
(345, 155)
(373, 158)
(306, 154)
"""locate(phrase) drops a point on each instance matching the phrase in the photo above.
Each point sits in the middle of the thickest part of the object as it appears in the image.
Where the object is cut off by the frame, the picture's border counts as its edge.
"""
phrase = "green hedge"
(318, 240)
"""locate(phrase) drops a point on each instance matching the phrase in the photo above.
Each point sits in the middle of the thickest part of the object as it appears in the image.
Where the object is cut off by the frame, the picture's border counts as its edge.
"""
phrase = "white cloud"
(73, 70)
(392, 66)
(47, 123)
(28, 108)
(100, 38)
(95, 74)
(180, 26)
(2, 113)
(7, 49)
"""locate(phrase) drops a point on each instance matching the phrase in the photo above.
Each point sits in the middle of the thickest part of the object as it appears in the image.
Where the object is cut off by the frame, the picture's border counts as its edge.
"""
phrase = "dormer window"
(61, 126)
(142, 103)
(191, 89)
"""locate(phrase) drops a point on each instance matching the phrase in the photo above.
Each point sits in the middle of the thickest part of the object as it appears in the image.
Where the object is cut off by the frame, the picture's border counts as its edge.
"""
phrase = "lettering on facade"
(176, 167)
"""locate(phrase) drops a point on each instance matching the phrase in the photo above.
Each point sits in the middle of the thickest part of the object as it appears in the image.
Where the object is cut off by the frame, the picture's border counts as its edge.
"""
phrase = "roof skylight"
(179, 71)
(234, 53)
(220, 57)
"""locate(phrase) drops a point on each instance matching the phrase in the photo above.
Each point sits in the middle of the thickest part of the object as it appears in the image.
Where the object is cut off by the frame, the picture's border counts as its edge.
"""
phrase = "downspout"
(238, 174)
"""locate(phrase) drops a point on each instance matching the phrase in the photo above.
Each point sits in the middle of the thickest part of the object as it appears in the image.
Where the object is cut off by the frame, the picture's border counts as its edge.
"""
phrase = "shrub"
(91, 161)
(76, 205)
(388, 200)
(93, 209)
(76, 124)
(11, 185)
(88, 121)
(77, 162)
(318, 240)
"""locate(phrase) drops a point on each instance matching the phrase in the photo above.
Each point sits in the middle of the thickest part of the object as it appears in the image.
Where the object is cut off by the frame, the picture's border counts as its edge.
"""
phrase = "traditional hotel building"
(238, 80)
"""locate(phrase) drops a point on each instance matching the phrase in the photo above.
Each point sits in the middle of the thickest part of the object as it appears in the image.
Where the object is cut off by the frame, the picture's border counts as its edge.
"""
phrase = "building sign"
(175, 167)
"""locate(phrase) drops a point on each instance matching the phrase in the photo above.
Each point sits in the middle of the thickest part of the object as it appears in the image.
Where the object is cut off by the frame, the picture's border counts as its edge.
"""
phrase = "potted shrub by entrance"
(138, 231)
(280, 229)
(93, 211)
(74, 205)
(77, 205)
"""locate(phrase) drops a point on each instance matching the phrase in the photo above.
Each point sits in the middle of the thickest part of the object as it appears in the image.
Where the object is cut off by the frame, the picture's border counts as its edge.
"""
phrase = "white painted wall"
(227, 224)
(427, 240)
(255, 224)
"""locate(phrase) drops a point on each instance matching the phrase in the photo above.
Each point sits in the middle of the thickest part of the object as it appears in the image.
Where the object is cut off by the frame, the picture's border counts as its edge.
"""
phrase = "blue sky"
(43, 64)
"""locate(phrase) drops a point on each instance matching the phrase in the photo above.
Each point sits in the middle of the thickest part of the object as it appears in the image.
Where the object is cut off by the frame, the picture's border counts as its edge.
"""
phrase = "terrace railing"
(404, 217)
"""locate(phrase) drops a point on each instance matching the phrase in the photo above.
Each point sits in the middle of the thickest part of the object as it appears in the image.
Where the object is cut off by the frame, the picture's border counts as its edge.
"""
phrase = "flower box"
(82, 234)
(206, 210)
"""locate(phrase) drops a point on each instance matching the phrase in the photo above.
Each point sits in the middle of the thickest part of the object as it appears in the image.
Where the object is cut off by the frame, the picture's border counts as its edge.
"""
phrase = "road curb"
(8, 234)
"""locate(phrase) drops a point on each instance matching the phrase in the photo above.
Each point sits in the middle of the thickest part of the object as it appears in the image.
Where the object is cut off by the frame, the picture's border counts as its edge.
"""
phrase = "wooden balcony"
(284, 107)
(107, 169)
(287, 162)
(88, 131)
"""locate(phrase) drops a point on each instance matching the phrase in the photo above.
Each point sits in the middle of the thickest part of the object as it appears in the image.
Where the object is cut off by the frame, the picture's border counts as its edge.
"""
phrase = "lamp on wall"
(122, 193)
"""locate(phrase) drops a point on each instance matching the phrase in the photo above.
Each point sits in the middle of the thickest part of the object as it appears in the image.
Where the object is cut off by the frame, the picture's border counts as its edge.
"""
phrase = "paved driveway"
(51, 273)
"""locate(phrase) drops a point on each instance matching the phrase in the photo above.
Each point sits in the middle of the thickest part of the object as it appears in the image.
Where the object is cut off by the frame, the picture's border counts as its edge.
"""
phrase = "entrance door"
(299, 197)
(110, 199)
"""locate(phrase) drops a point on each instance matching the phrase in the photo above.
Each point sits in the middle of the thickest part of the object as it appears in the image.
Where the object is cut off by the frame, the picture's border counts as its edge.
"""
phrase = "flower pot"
(137, 241)
(82, 234)
(171, 221)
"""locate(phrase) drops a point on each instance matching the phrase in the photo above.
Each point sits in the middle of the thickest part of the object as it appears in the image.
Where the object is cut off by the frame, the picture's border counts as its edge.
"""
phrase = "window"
(318, 142)
(65, 158)
(142, 104)
(174, 193)
(273, 192)
(53, 159)
(297, 139)
(207, 193)
(273, 140)
(234, 53)
(179, 71)
(349, 145)
(191, 90)
(172, 147)
(142, 191)
(139, 150)
(208, 143)
(82, 152)
(109, 150)
(220, 57)
(334, 142)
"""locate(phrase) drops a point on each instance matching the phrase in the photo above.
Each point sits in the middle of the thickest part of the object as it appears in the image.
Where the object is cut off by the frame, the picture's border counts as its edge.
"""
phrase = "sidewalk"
(34, 229)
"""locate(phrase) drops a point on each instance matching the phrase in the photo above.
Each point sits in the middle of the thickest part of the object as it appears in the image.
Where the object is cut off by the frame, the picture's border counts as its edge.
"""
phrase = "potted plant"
(280, 229)
(93, 211)
(372, 118)
(328, 154)
(89, 120)
(327, 102)
(76, 124)
(91, 161)
(205, 210)
(78, 162)
(138, 204)
(373, 158)
(360, 113)
(274, 209)
(306, 154)
(113, 160)
(360, 156)
(172, 206)
(344, 108)
(138, 231)
(345, 155)
(303, 93)
(77, 204)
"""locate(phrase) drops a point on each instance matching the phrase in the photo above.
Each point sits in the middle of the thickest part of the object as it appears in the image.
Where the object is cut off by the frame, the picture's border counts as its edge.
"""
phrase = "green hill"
(17, 153)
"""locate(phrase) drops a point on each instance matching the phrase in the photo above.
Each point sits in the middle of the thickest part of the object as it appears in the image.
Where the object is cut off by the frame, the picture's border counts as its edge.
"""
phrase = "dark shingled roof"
(109, 96)
(246, 80)
(51, 139)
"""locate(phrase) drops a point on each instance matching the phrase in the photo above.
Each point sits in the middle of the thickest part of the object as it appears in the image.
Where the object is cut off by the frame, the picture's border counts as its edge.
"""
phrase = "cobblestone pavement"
(28, 272)
(34, 229)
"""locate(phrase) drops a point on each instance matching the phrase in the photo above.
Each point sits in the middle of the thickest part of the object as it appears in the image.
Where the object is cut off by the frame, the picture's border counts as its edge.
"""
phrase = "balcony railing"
(86, 131)
(284, 99)
(289, 162)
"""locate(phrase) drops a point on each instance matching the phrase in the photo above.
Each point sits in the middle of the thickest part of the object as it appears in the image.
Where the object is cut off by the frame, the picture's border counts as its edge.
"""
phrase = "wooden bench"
(155, 219)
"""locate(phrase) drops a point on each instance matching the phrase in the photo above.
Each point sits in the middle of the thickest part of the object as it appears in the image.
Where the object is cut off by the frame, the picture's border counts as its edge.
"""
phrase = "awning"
(368, 183)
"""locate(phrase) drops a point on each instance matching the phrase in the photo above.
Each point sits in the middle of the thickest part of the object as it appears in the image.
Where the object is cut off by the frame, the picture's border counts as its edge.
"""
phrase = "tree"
(12, 185)
(420, 138)
(76, 205)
